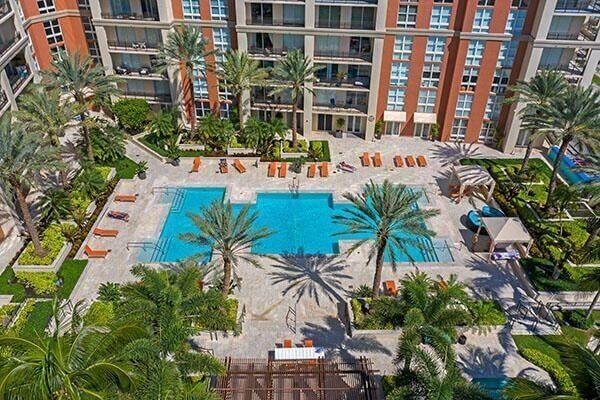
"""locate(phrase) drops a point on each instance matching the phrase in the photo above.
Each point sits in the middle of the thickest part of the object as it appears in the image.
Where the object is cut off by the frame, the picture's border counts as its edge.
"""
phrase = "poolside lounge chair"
(196, 165)
(91, 253)
(106, 232)
(287, 343)
(390, 288)
(324, 169)
(308, 343)
(126, 198)
(365, 160)
(377, 160)
(410, 161)
(421, 161)
(272, 170)
(122, 216)
(398, 162)
(283, 170)
(312, 170)
(344, 166)
(223, 166)
(239, 166)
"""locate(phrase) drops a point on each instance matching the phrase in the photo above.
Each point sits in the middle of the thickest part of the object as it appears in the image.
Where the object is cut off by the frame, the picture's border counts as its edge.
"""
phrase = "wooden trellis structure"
(321, 379)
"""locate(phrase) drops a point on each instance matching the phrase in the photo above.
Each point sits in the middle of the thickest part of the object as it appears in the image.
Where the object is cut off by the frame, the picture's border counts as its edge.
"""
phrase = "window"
(191, 9)
(58, 51)
(488, 130)
(435, 48)
(520, 3)
(84, 4)
(407, 16)
(202, 109)
(426, 102)
(431, 75)
(475, 52)
(440, 17)
(225, 110)
(218, 9)
(515, 22)
(482, 20)
(224, 93)
(53, 32)
(501, 77)
(422, 130)
(200, 88)
(463, 106)
(393, 128)
(469, 79)
(221, 42)
(403, 47)
(399, 75)
(324, 122)
(493, 107)
(486, 2)
(459, 129)
(396, 99)
(46, 6)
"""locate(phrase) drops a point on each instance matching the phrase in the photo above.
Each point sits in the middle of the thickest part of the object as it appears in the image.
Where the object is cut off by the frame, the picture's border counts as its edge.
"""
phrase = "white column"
(309, 51)
(374, 88)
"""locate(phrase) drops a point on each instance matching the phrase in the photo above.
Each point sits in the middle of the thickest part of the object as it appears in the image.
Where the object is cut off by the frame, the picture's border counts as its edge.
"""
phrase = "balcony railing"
(342, 105)
(274, 22)
(343, 54)
(158, 97)
(4, 8)
(132, 16)
(271, 51)
(359, 82)
(4, 46)
(18, 77)
(141, 71)
(345, 25)
(563, 36)
(578, 6)
(3, 100)
(141, 45)
(570, 68)
(348, 1)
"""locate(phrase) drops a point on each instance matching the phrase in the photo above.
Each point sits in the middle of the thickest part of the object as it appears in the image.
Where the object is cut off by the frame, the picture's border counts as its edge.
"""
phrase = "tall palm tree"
(591, 280)
(230, 235)
(535, 95)
(575, 115)
(83, 79)
(22, 155)
(238, 72)
(387, 218)
(184, 49)
(293, 72)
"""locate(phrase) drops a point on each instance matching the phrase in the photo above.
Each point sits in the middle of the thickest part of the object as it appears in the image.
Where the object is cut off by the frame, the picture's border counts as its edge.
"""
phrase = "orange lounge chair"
(287, 343)
(324, 169)
(308, 343)
(283, 170)
(272, 170)
(390, 288)
(377, 160)
(398, 162)
(106, 232)
(239, 166)
(312, 170)
(126, 198)
(196, 165)
(410, 161)
(421, 162)
(365, 160)
(95, 253)
(223, 168)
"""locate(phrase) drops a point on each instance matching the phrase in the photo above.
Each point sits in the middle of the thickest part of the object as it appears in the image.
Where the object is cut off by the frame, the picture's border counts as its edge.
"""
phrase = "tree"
(54, 204)
(575, 115)
(593, 228)
(216, 133)
(238, 72)
(535, 95)
(591, 280)
(564, 197)
(385, 215)
(262, 136)
(162, 124)
(229, 235)
(591, 188)
(132, 114)
(22, 155)
(184, 49)
(82, 78)
(108, 141)
(293, 72)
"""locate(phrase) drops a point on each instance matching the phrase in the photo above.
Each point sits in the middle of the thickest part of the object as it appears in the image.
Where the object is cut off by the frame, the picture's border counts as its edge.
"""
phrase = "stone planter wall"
(60, 258)
(232, 151)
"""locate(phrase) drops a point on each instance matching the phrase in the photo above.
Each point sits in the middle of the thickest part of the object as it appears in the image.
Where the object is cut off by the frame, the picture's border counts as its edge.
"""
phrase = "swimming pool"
(493, 386)
(302, 225)
(567, 169)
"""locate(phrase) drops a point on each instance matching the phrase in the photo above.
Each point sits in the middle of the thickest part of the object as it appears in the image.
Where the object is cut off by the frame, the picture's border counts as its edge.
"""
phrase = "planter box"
(191, 146)
(60, 258)
(233, 151)
(111, 174)
(135, 140)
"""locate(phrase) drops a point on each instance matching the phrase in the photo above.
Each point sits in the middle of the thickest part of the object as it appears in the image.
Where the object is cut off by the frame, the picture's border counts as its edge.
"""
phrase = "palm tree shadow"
(450, 153)
(479, 362)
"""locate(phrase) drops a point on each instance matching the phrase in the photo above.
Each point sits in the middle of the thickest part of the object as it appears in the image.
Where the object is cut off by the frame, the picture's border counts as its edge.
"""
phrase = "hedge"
(556, 371)
(42, 283)
(132, 114)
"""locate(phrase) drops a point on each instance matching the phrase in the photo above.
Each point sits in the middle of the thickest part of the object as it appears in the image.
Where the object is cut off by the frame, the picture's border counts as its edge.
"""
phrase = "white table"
(299, 353)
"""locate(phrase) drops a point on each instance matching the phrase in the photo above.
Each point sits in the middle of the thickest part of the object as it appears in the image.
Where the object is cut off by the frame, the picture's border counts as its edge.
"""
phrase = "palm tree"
(84, 363)
(238, 72)
(22, 155)
(593, 228)
(591, 280)
(535, 95)
(387, 218)
(82, 78)
(293, 72)
(229, 235)
(564, 198)
(524, 389)
(184, 49)
(575, 115)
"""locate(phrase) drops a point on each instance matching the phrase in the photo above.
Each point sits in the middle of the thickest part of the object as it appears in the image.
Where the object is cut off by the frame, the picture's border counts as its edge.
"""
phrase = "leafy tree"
(591, 188)
(293, 72)
(79, 76)
(215, 132)
(108, 142)
(391, 225)
(593, 228)
(22, 155)
(564, 197)
(54, 204)
(132, 114)
(536, 95)
(262, 136)
(184, 49)
(591, 280)
(109, 291)
(162, 125)
(90, 182)
(239, 73)
(230, 236)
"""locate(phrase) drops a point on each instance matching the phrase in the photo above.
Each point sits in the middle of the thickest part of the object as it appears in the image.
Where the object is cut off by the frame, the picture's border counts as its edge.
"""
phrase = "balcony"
(564, 36)
(17, 75)
(3, 100)
(343, 83)
(274, 22)
(150, 96)
(343, 55)
(131, 16)
(141, 46)
(340, 107)
(144, 71)
(348, 2)
(4, 8)
(270, 51)
(570, 68)
(362, 25)
(577, 6)
(7, 44)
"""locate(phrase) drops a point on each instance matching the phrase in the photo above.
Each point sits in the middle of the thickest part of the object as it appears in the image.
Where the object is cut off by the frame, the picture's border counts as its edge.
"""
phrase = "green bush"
(359, 316)
(79, 201)
(7, 311)
(17, 326)
(100, 313)
(132, 114)
(577, 319)
(486, 313)
(42, 283)
(302, 146)
(556, 370)
(103, 171)
(384, 313)
(52, 240)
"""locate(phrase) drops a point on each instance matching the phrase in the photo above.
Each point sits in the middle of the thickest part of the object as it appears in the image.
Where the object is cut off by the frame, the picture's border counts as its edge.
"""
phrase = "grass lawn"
(125, 168)
(16, 289)
(69, 272)
(37, 320)
(596, 79)
(551, 344)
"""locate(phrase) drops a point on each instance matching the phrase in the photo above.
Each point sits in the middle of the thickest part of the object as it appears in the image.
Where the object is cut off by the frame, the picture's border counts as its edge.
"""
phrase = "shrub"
(109, 291)
(556, 370)
(578, 319)
(359, 316)
(79, 201)
(302, 147)
(90, 182)
(52, 240)
(362, 291)
(384, 313)
(132, 114)
(42, 283)
(100, 313)
(7, 311)
(486, 313)
(21, 320)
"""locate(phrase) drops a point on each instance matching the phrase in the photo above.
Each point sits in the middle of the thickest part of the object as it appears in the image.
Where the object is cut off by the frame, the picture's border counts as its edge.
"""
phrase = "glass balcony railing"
(332, 81)
(151, 96)
(131, 16)
(578, 6)
(365, 56)
(271, 51)
(140, 45)
(363, 25)
(274, 22)
(7, 44)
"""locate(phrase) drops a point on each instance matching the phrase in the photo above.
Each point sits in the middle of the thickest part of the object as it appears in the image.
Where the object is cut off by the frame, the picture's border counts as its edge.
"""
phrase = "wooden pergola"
(471, 178)
(320, 379)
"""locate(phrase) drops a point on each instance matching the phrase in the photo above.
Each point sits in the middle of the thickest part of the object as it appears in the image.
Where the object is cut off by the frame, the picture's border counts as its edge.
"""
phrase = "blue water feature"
(493, 386)
(567, 169)
(302, 224)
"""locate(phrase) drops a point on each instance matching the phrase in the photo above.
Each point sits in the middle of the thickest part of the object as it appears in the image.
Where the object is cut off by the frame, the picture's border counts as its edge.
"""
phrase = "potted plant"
(341, 77)
(141, 169)
(297, 165)
(172, 151)
(434, 132)
(378, 128)
(339, 127)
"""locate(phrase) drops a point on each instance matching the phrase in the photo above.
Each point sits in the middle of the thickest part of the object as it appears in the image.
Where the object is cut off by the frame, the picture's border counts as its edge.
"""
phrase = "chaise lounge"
(283, 170)
(312, 170)
(398, 162)
(91, 253)
(272, 170)
(126, 198)
(223, 166)
(237, 164)
(389, 288)
(365, 160)
(421, 161)
(106, 232)
(410, 161)
(196, 165)
(324, 169)
(377, 160)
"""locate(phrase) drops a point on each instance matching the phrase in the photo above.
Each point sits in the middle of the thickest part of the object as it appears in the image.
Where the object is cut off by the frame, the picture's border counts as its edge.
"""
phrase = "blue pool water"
(493, 385)
(302, 224)
(567, 169)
